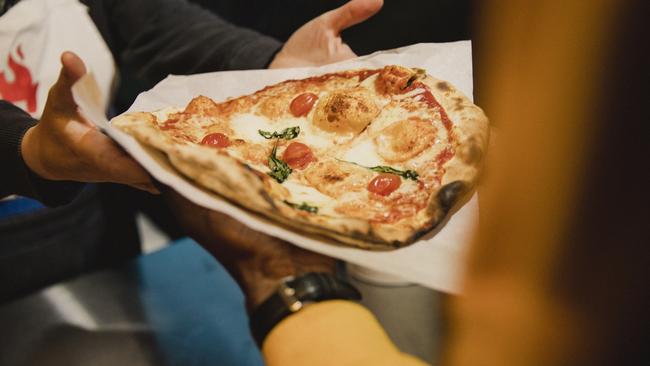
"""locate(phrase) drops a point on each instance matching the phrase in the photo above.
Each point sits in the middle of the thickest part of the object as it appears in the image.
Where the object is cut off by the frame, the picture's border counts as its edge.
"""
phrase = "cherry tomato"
(216, 139)
(302, 104)
(384, 184)
(298, 155)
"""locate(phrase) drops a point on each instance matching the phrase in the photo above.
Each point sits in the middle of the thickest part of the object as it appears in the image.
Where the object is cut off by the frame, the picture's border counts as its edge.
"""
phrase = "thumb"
(353, 12)
(72, 69)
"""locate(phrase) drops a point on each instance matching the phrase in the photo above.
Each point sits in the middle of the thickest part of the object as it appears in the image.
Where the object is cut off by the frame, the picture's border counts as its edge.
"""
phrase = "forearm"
(17, 177)
(332, 333)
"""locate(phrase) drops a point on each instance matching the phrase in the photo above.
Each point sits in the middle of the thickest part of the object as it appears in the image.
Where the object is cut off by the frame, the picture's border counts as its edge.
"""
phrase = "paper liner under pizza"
(371, 158)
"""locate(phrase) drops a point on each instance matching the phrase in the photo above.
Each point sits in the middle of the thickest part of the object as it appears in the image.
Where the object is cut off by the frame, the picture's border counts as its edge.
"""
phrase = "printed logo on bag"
(18, 87)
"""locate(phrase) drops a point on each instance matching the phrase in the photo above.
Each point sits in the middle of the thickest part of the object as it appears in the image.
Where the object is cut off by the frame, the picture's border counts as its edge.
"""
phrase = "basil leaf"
(266, 134)
(279, 169)
(287, 134)
(406, 174)
(303, 206)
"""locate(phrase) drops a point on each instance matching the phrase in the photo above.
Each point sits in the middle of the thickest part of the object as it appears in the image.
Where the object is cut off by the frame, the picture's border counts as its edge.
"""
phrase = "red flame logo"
(22, 88)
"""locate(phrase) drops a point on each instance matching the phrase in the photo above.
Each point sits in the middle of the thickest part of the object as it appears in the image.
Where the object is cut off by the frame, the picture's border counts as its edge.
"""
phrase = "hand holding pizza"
(257, 262)
(319, 42)
(63, 146)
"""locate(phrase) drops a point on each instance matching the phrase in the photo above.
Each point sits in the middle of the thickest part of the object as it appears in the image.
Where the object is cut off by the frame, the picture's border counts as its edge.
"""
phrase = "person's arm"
(334, 332)
(17, 177)
(39, 159)
(157, 38)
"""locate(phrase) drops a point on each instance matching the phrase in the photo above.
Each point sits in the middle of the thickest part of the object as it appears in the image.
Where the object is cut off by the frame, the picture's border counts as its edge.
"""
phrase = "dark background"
(399, 23)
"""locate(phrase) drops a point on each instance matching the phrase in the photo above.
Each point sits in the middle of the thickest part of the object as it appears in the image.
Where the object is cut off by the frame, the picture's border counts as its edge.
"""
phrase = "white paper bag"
(33, 34)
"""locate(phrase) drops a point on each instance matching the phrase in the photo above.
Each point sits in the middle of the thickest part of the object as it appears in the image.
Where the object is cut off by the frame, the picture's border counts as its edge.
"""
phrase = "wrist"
(292, 295)
(260, 276)
(29, 147)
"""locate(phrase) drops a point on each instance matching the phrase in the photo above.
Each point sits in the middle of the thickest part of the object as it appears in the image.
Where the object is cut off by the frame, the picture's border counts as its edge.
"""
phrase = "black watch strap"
(293, 294)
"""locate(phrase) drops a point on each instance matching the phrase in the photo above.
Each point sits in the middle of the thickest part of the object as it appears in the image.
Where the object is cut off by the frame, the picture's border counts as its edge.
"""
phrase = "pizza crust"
(258, 192)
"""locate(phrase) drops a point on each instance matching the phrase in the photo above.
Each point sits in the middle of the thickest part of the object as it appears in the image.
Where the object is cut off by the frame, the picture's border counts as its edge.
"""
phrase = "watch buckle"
(288, 296)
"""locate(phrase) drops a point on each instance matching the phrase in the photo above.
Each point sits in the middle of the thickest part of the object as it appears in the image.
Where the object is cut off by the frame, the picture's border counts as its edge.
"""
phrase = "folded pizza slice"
(371, 158)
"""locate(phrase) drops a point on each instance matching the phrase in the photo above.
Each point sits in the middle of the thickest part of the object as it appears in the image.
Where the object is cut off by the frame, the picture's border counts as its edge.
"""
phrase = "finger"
(146, 187)
(353, 12)
(60, 95)
(72, 66)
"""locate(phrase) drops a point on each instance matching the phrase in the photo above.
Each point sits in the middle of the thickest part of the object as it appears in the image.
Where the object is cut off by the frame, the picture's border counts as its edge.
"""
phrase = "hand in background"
(64, 146)
(319, 42)
(257, 262)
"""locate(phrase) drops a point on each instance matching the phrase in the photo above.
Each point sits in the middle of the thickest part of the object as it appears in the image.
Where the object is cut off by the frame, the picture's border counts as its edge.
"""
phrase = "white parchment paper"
(434, 261)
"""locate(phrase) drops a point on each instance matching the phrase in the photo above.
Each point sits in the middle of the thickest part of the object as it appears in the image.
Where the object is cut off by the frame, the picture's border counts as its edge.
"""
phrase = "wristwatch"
(293, 294)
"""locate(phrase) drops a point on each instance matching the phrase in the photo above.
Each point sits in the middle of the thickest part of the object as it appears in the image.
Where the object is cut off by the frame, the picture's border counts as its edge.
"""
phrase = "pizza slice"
(372, 158)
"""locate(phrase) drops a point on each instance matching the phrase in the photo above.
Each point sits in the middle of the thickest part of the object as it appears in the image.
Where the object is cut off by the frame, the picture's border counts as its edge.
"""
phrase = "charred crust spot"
(425, 230)
(459, 104)
(257, 173)
(333, 178)
(443, 86)
(449, 194)
(396, 244)
(265, 195)
(472, 154)
(372, 242)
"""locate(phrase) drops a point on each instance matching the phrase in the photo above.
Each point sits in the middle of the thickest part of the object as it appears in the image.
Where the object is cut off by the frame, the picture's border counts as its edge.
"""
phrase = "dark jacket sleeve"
(155, 38)
(16, 176)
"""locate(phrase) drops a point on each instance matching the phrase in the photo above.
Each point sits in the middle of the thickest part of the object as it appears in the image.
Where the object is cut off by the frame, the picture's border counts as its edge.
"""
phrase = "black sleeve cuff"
(18, 178)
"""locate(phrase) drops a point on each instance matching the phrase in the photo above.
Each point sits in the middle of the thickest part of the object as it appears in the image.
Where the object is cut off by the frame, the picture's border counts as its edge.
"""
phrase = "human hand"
(64, 146)
(319, 42)
(257, 262)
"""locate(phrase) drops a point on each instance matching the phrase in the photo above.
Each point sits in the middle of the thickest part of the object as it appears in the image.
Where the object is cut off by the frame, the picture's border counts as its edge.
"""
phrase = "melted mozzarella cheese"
(363, 152)
(370, 81)
(313, 137)
(387, 117)
(163, 114)
(247, 126)
(301, 193)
